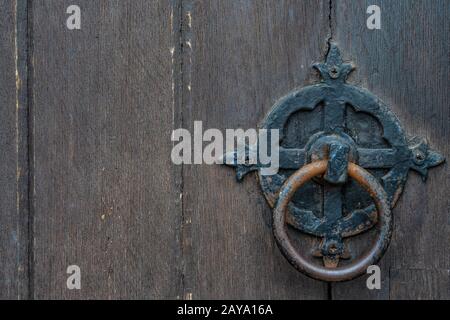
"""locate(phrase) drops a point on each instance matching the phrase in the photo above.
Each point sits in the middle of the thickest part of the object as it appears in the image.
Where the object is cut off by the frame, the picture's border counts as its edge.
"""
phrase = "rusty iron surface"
(332, 247)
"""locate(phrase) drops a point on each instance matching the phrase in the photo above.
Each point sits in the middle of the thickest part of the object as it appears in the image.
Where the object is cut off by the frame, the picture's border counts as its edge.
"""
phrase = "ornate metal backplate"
(341, 123)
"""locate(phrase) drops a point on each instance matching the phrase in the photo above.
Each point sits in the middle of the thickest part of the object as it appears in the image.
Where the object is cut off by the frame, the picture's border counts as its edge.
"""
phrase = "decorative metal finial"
(334, 68)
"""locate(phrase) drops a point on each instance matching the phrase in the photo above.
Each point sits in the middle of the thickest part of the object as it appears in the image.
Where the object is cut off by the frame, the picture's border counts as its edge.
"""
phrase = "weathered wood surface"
(419, 284)
(90, 113)
(13, 155)
(406, 65)
(105, 195)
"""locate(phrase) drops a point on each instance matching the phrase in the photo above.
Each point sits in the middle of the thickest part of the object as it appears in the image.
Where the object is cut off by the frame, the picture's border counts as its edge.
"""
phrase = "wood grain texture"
(105, 194)
(239, 57)
(13, 155)
(91, 112)
(406, 65)
(419, 284)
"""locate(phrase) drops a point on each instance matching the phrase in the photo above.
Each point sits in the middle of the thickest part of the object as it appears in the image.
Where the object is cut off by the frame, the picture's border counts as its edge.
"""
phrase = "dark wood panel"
(105, 99)
(13, 156)
(420, 284)
(406, 65)
(239, 57)
(105, 190)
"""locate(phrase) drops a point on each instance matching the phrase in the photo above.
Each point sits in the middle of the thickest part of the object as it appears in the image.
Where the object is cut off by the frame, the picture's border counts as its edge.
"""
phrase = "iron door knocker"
(335, 151)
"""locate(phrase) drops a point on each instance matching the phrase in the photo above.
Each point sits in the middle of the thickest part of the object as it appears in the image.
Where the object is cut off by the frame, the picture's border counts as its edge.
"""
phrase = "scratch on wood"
(189, 15)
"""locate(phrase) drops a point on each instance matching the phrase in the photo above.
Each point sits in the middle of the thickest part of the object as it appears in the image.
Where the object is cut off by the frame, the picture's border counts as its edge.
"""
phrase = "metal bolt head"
(334, 72)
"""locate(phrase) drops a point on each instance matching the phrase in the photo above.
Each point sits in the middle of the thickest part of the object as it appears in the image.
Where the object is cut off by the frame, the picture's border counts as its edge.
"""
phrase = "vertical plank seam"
(177, 122)
(330, 20)
(184, 97)
(17, 86)
(21, 143)
(181, 98)
(30, 146)
(185, 49)
(330, 38)
(17, 76)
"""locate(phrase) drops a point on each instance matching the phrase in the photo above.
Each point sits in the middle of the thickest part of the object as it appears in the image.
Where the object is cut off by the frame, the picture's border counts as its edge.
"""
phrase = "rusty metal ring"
(357, 267)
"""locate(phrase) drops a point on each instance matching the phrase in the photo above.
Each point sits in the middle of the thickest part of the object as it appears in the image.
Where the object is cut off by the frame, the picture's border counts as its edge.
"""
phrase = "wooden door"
(87, 117)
